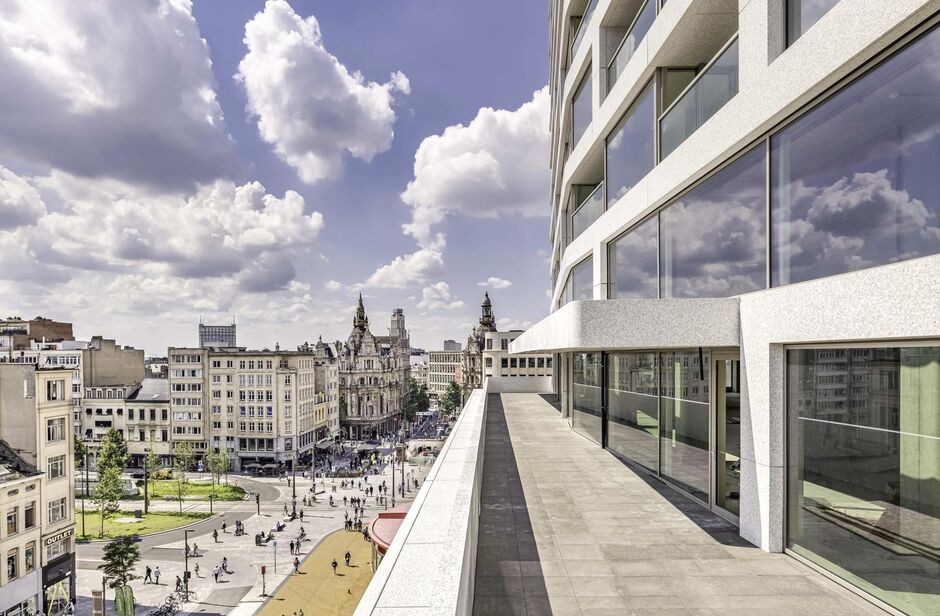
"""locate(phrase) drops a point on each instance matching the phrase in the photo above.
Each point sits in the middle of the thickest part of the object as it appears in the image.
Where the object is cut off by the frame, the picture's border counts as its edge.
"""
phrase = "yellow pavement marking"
(316, 590)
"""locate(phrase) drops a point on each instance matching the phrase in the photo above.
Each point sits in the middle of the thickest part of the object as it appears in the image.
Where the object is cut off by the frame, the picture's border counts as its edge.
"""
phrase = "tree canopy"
(119, 557)
(452, 399)
(113, 452)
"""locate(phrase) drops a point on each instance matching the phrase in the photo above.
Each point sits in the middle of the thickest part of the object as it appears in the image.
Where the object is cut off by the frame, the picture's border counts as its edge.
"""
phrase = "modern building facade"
(443, 367)
(217, 336)
(745, 247)
(452, 345)
(497, 361)
(35, 420)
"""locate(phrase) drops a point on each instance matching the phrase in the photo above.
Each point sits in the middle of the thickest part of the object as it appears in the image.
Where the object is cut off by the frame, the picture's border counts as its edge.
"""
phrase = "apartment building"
(452, 345)
(218, 336)
(745, 237)
(443, 367)
(35, 415)
(20, 535)
(18, 333)
(257, 405)
(498, 362)
(147, 422)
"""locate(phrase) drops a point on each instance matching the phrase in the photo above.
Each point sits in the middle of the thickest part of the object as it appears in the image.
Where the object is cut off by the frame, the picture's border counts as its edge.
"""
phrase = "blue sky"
(133, 156)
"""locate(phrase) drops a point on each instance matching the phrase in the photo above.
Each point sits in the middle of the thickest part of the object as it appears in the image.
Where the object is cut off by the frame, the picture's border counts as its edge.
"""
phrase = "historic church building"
(471, 366)
(374, 372)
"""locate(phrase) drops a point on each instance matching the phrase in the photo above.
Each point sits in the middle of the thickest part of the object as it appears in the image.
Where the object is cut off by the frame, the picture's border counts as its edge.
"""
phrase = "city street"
(241, 587)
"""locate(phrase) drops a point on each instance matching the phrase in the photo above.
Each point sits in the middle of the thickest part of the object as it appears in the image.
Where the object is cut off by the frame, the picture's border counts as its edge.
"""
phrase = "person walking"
(215, 535)
(147, 575)
(223, 525)
(216, 572)
(296, 564)
(179, 584)
(347, 557)
(197, 569)
(156, 575)
(291, 546)
(334, 565)
(224, 564)
(301, 515)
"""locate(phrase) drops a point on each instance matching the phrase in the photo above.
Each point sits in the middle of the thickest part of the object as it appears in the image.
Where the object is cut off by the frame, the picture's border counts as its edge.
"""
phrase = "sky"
(166, 161)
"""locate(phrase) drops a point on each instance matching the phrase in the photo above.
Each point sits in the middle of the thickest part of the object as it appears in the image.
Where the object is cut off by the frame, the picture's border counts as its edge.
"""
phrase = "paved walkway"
(316, 590)
(567, 529)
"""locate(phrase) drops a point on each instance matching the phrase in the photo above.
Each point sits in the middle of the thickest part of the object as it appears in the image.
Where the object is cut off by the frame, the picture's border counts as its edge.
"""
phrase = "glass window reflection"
(586, 378)
(713, 237)
(632, 263)
(580, 282)
(581, 108)
(684, 455)
(633, 407)
(864, 469)
(853, 182)
(630, 153)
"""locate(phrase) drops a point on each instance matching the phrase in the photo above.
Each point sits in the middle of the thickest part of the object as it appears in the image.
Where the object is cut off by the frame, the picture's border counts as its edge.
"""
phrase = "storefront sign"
(65, 534)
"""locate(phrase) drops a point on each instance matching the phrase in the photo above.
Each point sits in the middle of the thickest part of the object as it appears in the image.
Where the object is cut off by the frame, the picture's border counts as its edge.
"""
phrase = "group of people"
(347, 557)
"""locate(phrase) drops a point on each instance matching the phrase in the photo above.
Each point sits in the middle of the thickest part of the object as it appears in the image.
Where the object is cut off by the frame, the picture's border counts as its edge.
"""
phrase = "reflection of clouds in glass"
(633, 263)
(630, 148)
(853, 223)
(713, 239)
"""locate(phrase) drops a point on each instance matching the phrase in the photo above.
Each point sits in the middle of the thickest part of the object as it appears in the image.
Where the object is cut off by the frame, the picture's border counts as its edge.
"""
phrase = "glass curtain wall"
(864, 469)
(580, 282)
(684, 421)
(854, 182)
(713, 237)
(633, 406)
(630, 151)
(581, 108)
(631, 263)
(586, 400)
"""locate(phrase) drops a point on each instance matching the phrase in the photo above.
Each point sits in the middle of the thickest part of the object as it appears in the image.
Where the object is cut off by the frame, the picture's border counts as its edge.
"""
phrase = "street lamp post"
(84, 492)
(274, 544)
(186, 561)
(293, 470)
(146, 480)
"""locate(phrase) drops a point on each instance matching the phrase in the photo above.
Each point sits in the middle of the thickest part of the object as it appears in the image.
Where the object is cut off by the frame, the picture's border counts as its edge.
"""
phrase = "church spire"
(487, 320)
(361, 321)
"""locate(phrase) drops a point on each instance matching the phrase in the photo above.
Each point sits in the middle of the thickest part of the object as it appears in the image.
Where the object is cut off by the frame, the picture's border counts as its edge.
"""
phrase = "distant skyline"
(268, 161)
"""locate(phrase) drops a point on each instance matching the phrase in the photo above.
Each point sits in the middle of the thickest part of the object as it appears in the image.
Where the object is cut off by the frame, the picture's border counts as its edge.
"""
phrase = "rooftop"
(12, 466)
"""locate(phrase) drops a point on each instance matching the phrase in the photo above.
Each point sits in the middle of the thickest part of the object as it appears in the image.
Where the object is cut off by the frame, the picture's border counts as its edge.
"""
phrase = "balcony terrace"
(523, 516)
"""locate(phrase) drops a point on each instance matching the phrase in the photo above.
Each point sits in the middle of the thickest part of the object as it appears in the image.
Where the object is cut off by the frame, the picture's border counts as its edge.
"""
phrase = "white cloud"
(222, 230)
(505, 324)
(411, 269)
(308, 105)
(495, 165)
(333, 285)
(494, 282)
(20, 204)
(438, 297)
(111, 89)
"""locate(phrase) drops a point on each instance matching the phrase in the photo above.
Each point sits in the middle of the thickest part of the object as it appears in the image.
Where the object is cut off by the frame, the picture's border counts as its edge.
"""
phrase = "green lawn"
(153, 522)
(166, 490)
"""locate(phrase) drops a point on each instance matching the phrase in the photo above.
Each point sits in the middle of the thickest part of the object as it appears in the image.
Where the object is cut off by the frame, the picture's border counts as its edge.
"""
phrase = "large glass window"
(864, 469)
(632, 263)
(581, 108)
(801, 14)
(684, 427)
(586, 377)
(633, 406)
(630, 153)
(631, 40)
(580, 282)
(854, 182)
(712, 89)
(713, 237)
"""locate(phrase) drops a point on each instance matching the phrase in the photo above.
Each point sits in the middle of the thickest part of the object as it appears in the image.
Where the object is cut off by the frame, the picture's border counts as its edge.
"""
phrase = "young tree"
(119, 557)
(182, 461)
(113, 452)
(107, 494)
(452, 399)
(81, 452)
(151, 463)
(217, 463)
